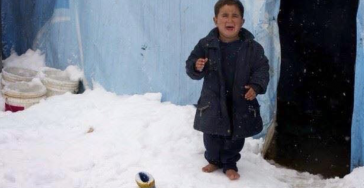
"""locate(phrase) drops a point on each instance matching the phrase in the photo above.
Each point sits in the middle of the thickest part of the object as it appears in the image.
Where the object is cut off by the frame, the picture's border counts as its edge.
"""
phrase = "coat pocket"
(254, 120)
(200, 110)
(208, 106)
(252, 111)
(208, 118)
(248, 120)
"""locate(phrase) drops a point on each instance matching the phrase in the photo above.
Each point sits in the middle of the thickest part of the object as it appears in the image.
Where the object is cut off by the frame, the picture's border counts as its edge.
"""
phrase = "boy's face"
(229, 22)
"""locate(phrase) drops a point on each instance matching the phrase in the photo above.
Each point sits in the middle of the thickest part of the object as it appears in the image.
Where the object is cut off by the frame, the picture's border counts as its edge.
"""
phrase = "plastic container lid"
(145, 180)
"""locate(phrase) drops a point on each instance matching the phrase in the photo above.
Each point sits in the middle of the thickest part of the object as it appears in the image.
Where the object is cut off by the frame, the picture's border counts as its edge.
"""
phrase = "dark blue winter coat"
(251, 69)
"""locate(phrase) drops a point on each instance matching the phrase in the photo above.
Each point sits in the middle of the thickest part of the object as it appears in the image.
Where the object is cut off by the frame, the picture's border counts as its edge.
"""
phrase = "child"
(235, 70)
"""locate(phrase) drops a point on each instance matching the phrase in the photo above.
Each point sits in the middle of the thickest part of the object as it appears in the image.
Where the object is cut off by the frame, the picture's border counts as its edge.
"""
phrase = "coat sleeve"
(259, 76)
(197, 53)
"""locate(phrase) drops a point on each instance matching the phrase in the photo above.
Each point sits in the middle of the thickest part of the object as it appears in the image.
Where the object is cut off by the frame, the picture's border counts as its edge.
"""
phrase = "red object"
(13, 108)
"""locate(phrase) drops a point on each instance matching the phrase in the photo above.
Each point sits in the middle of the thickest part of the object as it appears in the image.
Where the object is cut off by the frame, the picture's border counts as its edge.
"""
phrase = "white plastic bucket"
(58, 82)
(18, 104)
(21, 95)
(17, 74)
(24, 90)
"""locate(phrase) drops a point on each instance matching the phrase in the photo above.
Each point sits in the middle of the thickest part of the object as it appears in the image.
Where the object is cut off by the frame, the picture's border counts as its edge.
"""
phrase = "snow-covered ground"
(101, 140)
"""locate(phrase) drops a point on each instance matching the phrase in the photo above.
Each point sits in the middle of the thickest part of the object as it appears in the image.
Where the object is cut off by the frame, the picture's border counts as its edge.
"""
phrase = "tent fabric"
(21, 21)
(59, 38)
(134, 47)
(357, 131)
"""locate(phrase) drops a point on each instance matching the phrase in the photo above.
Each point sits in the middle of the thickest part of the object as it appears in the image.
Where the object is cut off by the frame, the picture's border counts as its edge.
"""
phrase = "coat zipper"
(246, 60)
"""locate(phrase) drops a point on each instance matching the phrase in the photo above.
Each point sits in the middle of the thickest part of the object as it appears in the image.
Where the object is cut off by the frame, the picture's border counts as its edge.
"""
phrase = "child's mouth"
(230, 28)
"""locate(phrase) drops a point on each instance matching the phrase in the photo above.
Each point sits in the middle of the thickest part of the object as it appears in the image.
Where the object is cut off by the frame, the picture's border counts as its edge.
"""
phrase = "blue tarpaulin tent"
(133, 47)
(357, 132)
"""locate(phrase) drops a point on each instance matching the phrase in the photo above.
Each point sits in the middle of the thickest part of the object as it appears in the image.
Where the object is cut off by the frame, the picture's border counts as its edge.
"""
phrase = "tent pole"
(268, 141)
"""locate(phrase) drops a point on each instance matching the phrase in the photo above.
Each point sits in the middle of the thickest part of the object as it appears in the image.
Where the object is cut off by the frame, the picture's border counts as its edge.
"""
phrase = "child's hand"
(251, 94)
(200, 64)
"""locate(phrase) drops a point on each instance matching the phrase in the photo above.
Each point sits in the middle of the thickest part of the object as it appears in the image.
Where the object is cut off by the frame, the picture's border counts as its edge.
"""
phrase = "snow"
(100, 139)
(33, 60)
(74, 73)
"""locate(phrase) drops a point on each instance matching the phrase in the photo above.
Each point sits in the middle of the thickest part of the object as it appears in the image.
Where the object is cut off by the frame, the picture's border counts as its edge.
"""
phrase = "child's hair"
(222, 3)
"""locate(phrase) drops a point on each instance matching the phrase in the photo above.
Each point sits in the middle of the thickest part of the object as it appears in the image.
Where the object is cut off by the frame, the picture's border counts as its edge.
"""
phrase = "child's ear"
(215, 20)
(243, 21)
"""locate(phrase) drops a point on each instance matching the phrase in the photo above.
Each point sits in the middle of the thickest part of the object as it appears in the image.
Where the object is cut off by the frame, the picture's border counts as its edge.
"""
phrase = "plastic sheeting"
(139, 46)
(60, 37)
(21, 21)
(357, 131)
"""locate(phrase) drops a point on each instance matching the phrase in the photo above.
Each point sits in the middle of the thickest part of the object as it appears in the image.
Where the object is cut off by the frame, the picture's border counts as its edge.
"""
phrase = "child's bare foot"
(232, 174)
(210, 168)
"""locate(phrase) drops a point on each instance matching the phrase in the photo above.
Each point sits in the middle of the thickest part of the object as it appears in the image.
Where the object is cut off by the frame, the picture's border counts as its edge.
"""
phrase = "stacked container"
(21, 95)
(16, 74)
(19, 91)
(58, 82)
